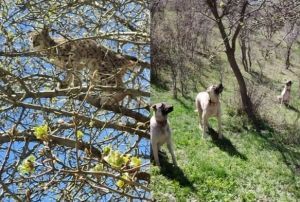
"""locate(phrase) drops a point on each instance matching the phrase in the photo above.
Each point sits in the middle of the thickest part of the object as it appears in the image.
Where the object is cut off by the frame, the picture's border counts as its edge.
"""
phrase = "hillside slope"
(247, 165)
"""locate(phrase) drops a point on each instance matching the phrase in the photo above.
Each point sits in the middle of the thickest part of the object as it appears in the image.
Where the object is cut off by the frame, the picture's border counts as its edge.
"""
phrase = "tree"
(245, 50)
(230, 44)
(174, 39)
(73, 143)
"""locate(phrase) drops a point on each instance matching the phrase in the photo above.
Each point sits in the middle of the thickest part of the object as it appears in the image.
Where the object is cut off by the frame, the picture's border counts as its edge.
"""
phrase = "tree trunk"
(249, 56)
(246, 101)
(244, 54)
(183, 79)
(299, 86)
(288, 54)
(174, 88)
(230, 52)
(174, 81)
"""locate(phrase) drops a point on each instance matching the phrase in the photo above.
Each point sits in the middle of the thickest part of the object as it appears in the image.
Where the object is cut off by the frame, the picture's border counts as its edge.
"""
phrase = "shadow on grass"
(290, 107)
(184, 104)
(159, 82)
(225, 145)
(291, 157)
(262, 79)
(172, 172)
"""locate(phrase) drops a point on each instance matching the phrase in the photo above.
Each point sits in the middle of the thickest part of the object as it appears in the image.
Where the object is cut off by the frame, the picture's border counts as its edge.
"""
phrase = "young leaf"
(120, 183)
(41, 132)
(27, 166)
(135, 162)
(79, 134)
(98, 167)
(106, 150)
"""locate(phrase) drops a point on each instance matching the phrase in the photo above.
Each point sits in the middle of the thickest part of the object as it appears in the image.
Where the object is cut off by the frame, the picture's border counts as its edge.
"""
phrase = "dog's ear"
(154, 107)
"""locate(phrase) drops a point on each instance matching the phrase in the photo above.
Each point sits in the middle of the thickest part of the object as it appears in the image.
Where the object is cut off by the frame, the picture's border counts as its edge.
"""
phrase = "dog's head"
(41, 40)
(289, 83)
(219, 89)
(216, 89)
(161, 110)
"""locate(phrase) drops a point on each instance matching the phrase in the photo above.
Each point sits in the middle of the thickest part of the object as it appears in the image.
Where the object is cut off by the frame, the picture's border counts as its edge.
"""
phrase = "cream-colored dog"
(208, 105)
(285, 96)
(160, 132)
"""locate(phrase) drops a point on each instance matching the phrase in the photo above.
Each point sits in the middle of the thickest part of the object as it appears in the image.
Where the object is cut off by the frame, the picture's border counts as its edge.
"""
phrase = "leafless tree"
(175, 40)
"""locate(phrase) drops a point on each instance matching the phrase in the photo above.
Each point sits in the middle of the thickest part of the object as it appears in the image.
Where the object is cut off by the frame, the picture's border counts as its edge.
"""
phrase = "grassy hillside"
(247, 165)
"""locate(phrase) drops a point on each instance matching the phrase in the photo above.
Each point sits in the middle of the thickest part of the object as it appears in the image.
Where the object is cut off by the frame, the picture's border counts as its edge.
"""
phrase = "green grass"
(245, 166)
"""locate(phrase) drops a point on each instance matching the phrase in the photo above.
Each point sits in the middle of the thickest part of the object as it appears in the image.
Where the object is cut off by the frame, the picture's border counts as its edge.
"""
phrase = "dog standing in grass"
(285, 96)
(208, 105)
(160, 131)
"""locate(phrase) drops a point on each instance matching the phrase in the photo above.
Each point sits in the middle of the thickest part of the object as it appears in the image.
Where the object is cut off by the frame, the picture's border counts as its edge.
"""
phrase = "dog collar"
(162, 123)
(211, 102)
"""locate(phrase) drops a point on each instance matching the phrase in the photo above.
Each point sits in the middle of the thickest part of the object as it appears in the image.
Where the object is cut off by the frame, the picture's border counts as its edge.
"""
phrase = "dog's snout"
(219, 89)
(169, 109)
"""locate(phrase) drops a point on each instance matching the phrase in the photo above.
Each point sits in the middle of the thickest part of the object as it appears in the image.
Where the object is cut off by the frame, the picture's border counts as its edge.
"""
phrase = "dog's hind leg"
(199, 110)
(219, 127)
(279, 98)
(204, 124)
(200, 121)
(281, 101)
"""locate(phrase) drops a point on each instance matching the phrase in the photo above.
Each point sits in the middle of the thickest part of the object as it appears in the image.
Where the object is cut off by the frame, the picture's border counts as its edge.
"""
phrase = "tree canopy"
(73, 143)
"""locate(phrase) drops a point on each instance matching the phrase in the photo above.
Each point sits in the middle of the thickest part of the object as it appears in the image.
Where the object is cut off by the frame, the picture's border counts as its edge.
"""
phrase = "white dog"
(285, 96)
(160, 131)
(208, 105)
